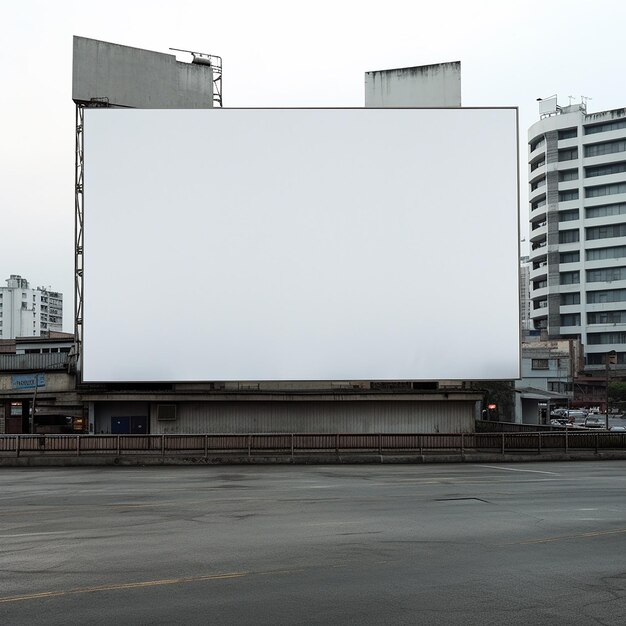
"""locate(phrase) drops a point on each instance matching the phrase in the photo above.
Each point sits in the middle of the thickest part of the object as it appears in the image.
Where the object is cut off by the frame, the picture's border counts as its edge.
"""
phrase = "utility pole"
(611, 358)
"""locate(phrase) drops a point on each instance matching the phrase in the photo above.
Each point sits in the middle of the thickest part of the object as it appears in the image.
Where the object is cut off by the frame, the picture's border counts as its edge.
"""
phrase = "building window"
(565, 175)
(600, 358)
(595, 339)
(615, 252)
(540, 364)
(538, 204)
(569, 257)
(568, 216)
(606, 295)
(606, 274)
(540, 183)
(609, 147)
(605, 190)
(568, 155)
(569, 278)
(569, 236)
(603, 128)
(605, 232)
(568, 133)
(570, 319)
(540, 284)
(570, 194)
(607, 317)
(605, 170)
(559, 386)
(604, 210)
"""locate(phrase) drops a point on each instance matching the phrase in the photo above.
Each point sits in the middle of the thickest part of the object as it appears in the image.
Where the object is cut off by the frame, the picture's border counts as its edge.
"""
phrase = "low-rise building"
(27, 312)
(549, 369)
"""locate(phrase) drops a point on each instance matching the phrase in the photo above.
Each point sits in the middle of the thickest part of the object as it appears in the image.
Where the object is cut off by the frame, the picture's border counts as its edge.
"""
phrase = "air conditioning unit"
(166, 412)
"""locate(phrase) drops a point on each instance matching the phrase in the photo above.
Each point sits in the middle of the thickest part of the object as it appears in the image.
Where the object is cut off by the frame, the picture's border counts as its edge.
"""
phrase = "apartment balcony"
(538, 231)
(538, 250)
(539, 272)
(538, 294)
(536, 194)
(540, 149)
(538, 172)
(538, 314)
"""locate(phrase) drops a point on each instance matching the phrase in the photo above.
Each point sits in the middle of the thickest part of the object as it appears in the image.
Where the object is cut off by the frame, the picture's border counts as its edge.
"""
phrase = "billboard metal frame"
(79, 197)
(79, 168)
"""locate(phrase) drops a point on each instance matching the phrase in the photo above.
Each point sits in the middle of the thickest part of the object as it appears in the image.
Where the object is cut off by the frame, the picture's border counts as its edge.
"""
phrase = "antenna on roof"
(584, 100)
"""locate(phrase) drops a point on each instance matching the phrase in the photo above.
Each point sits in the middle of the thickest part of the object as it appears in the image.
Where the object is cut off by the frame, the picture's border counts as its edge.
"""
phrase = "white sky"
(276, 53)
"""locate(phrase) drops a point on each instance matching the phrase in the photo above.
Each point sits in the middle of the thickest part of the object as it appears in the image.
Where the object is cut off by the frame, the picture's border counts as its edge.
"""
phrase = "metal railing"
(34, 362)
(303, 444)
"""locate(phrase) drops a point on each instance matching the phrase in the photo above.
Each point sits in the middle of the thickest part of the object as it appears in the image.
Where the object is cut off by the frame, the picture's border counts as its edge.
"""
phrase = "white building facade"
(577, 196)
(26, 312)
(524, 293)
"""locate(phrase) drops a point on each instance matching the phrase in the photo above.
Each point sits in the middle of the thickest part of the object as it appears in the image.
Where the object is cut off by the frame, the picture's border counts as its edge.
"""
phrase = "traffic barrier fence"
(260, 444)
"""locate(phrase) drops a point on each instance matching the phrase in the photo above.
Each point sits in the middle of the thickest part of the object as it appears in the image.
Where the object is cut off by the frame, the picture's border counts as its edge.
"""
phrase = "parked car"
(618, 429)
(594, 422)
(575, 414)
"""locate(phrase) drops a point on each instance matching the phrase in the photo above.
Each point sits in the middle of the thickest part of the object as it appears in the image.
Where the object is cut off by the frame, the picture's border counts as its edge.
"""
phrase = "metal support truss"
(79, 235)
(217, 80)
(79, 171)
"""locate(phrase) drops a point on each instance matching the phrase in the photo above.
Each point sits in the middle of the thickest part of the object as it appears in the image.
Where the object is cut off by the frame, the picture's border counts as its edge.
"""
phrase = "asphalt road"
(532, 543)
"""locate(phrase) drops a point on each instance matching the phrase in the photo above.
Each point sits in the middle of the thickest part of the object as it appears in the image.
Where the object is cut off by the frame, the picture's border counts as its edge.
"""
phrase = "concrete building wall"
(53, 382)
(131, 77)
(530, 411)
(548, 366)
(436, 85)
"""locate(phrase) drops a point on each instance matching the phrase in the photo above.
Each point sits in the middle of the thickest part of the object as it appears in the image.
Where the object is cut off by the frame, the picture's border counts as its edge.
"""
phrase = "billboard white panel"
(300, 244)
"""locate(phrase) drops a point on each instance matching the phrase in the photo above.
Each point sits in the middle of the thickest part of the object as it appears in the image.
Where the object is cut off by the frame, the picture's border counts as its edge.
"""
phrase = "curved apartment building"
(577, 197)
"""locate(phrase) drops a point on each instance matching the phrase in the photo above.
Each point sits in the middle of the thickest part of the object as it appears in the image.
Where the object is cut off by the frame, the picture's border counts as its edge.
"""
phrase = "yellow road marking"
(117, 586)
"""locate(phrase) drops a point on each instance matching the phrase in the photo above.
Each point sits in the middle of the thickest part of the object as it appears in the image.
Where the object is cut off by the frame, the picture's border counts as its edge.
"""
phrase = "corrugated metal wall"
(20, 362)
(318, 417)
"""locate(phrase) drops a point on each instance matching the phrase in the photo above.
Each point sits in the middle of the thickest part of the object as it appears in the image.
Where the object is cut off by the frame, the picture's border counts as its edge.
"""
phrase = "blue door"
(139, 425)
(120, 425)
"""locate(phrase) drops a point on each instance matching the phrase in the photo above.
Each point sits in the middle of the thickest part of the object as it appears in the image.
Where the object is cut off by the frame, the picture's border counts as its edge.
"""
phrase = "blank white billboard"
(300, 244)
